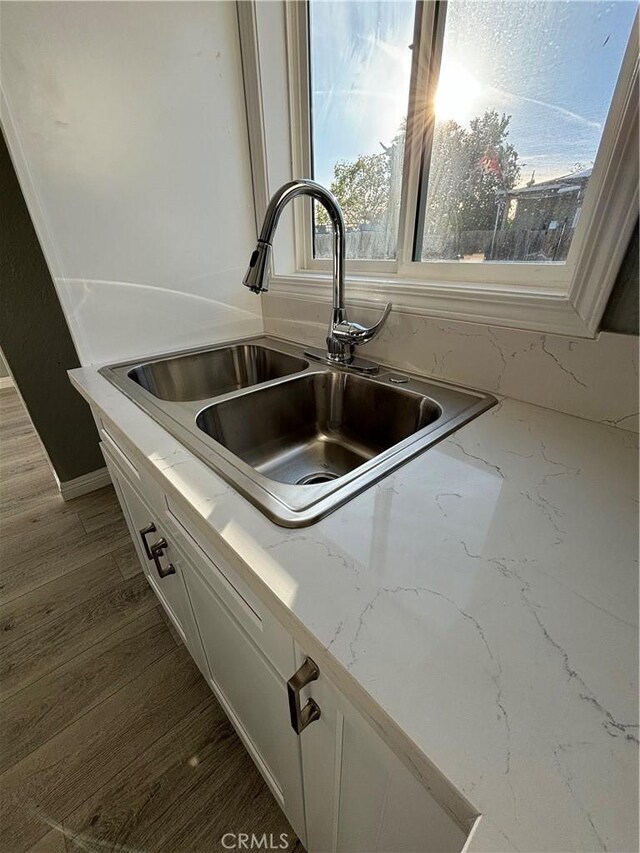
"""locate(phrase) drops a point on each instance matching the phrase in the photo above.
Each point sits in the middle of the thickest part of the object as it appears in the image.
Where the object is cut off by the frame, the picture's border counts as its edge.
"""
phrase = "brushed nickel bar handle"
(157, 551)
(144, 532)
(302, 717)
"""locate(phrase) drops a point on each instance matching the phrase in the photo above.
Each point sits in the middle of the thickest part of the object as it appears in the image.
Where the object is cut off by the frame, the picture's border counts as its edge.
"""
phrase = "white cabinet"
(359, 796)
(340, 786)
(256, 620)
(254, 696)
(242, 651)
(163, 572)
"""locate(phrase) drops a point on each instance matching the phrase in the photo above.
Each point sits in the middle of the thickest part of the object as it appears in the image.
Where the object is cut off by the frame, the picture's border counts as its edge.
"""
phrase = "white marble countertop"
(483, 599)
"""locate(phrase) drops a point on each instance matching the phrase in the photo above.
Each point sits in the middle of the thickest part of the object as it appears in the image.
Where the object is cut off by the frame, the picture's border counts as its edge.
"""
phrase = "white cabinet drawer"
(135, 510)
(118, 455)
(265, 630)
(127, 460)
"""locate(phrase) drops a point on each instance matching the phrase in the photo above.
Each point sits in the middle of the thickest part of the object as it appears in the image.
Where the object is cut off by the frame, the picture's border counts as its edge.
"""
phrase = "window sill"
(541, 311)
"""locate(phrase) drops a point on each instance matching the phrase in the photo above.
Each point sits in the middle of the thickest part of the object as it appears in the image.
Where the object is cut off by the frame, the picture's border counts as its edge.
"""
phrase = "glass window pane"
(360, 59)
(523, 95)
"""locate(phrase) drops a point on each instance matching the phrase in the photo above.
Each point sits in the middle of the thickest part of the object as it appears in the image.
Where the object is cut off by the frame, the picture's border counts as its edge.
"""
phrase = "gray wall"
(621, 314)
(35, 339)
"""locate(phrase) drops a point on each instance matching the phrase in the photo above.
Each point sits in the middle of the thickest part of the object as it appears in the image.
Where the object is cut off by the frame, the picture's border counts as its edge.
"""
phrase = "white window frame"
(567, 298)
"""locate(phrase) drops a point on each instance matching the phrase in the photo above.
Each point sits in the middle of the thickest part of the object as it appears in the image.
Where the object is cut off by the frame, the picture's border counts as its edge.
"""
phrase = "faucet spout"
(343, 335)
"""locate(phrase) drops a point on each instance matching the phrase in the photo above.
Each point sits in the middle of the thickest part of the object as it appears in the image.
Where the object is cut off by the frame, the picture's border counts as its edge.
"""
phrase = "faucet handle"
(355, 333)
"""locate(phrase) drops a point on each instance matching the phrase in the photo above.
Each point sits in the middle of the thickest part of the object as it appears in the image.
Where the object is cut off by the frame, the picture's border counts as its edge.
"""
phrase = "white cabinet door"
(164, 573)
(359, 796)
(254, 696)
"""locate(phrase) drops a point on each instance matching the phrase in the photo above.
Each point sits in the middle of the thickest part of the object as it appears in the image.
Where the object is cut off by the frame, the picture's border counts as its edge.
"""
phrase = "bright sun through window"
(523, 92)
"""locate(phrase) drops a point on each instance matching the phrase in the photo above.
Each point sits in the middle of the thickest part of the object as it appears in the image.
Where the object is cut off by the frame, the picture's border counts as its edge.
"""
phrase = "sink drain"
(316, 477)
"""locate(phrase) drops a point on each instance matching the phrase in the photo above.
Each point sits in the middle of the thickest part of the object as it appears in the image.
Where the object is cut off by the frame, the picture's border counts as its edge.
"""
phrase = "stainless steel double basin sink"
(297, 438)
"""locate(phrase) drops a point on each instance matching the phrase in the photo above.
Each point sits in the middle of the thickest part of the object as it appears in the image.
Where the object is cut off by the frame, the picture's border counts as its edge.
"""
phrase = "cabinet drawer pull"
(301, 717)
(144, 532)
(157, 551)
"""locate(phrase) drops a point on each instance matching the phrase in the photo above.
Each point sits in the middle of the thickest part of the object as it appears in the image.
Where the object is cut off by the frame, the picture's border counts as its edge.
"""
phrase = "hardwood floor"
(110, 739)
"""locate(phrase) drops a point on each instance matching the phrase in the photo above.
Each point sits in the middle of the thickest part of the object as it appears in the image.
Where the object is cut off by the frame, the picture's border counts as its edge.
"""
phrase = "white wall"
(127, 127)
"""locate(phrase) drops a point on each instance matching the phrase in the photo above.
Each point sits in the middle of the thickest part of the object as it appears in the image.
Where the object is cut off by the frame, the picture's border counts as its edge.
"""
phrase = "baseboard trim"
(6, 382)
(90, 482)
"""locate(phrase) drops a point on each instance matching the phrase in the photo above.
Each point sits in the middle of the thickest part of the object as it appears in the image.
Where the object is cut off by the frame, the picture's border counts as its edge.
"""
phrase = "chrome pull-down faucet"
(343, 335)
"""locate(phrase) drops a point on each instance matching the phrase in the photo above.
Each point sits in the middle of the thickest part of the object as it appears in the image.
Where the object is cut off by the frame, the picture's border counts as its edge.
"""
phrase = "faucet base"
(350, 362)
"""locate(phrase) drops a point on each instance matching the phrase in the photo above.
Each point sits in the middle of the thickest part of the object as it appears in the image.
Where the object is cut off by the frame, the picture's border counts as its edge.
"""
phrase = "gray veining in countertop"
(483, 598)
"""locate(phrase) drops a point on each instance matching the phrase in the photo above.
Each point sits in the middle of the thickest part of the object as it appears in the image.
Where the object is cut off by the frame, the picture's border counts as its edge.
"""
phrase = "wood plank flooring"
(110, 739)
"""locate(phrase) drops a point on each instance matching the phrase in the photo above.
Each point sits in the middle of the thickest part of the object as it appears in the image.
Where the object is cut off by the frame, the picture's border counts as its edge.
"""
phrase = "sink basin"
(318, 427)
(201, 375)
(296, 446)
